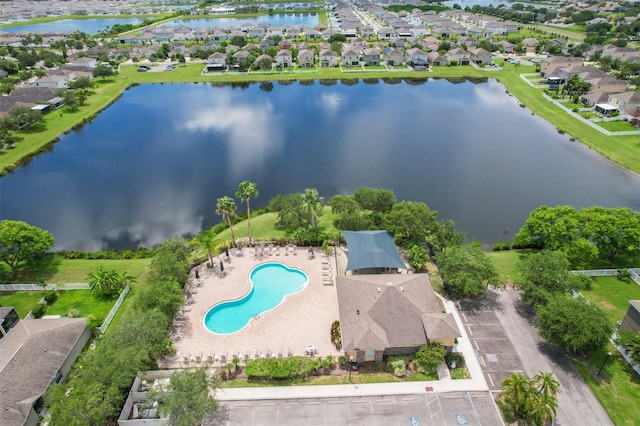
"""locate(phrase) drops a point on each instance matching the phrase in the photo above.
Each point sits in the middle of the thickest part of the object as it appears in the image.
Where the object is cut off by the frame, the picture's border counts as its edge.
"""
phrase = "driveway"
(577, 405)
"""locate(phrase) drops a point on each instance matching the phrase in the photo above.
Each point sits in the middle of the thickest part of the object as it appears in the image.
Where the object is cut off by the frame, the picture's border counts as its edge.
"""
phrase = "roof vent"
(402, 289)
(358, 311)
(389, 283)
(379, 289)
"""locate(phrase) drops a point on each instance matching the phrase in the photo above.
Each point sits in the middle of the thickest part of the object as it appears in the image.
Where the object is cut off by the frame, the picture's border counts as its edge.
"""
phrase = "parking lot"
(497, 355)
(454, 409)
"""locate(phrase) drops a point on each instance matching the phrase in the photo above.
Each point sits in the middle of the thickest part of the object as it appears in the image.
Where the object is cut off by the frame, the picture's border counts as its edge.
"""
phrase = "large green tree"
(466, 270)
(411, 222)
(574, 324)
(543, 275)
(533, 401)
(226, 208)
(429, 357)
(103, 71)
(246, 191)
(22, 244)
(188, 398)
(171, 261)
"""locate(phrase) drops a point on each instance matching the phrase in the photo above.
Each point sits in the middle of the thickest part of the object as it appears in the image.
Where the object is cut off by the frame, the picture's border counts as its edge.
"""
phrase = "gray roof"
(386, 310)
(372, 249)
(30, 357)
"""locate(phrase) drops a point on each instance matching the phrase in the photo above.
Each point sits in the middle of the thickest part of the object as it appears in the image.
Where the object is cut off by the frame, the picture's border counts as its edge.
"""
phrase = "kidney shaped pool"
(271, 283)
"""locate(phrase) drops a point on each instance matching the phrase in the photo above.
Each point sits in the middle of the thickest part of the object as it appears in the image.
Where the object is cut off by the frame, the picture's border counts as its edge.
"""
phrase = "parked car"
(170, 67)
(143, 68)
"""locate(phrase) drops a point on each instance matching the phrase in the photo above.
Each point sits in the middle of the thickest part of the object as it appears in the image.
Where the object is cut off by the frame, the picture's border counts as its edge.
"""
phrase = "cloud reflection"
(253, 131)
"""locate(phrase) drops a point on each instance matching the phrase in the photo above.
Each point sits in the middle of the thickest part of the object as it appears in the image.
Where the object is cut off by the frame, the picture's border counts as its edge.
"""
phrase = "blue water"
(88, 26)
(309, 20)
(270, 284)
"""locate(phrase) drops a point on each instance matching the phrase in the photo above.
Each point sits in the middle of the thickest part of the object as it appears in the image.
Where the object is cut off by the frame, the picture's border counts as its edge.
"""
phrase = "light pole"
(602, 366)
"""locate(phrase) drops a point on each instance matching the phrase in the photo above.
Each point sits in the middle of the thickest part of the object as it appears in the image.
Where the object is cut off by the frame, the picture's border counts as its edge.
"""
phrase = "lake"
(276, 20)
(88, 26)
(153, 164)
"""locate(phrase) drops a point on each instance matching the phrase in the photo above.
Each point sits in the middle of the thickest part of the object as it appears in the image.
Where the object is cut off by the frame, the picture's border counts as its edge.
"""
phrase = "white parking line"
(482, 361)
(490, 379)
(469, 328)
(463, 316)
(475, 342)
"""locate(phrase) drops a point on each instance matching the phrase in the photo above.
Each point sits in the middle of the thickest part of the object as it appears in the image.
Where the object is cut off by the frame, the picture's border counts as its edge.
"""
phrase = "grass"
(75, 270)
(263, 229)
(618, 386)
(82, 300)
(459, 373)
(506, 263)
(22, 301)
(613, 295)
(617, 126)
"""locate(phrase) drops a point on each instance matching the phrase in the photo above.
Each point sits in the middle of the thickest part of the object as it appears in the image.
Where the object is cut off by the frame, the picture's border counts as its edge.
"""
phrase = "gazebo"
(372, 252)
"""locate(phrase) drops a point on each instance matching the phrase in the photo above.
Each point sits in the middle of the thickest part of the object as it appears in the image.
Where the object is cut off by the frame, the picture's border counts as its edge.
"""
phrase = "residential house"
(85, 62)
(371, 56)
(328, 58)
(53, 81)
(219, 36)
(631, 320)
(480, 56)
(386, 33)
(34, 354)
(495, 28)
(467, 42)
(550, 64)
(306, 58)
(416, 56)
(437, 60)
(255, 32)
(216, 62)
(635, 120)
(350, 58)
(393, 57)
(626, 102)
(263, 60)
(507, 47)
(530, 44)
(511, 27)
(460, 56)
(241, 56)
(312, 35)
(284, 58)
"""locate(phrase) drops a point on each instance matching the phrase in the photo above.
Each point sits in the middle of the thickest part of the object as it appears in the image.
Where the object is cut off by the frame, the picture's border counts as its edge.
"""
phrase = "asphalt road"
(577, 405)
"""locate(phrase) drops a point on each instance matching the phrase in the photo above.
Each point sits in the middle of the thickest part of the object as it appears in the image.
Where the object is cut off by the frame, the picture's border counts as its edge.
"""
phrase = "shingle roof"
(385, 310)
(30, 356)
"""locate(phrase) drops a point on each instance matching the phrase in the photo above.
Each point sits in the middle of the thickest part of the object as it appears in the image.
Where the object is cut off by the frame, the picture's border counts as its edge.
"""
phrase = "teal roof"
(372, 249)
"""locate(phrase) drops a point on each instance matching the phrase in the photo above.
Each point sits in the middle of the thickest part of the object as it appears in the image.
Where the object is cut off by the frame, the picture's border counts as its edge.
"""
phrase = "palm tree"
(226, 208)
(207, 241)
(246, 191)
(545, 404)
(312, 203)
(633, 347)
(108, 282)
(516, 393)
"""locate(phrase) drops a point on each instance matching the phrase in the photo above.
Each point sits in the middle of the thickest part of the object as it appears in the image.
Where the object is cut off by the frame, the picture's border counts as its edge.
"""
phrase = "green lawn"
(613, 295)
(82, 300)
(506, 263)
(76, 270)
(22, 301)
(617, 126)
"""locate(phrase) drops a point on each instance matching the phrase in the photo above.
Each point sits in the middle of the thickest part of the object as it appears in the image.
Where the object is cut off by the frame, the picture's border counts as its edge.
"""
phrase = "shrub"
(280, 368)
(73, 313)
(623, 274)
(398, 365)
(429, 357)
(342, 359)
(336, 335)
(39, 310)
(502, 245)
(456, 357)
(50, 297)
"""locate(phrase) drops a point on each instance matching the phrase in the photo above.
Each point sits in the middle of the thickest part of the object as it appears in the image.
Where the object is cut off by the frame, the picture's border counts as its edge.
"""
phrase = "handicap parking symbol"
(414, 421)
(461, 419)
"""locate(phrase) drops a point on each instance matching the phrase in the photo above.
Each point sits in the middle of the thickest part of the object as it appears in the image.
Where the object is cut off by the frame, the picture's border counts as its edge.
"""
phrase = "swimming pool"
(271, 283)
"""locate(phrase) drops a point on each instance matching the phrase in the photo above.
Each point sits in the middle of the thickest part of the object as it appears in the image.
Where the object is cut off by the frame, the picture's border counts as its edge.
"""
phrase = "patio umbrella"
(221, 266)
(197, 275)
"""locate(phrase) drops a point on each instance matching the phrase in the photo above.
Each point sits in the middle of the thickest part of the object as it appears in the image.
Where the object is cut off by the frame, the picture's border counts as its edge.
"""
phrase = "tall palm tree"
(312, 203)
(226, 208)
(516, 393)
(246, 191)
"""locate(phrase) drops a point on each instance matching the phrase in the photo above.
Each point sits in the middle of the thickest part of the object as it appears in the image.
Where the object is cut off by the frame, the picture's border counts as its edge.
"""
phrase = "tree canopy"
(574, 324)
(466, 270)
(22, 244)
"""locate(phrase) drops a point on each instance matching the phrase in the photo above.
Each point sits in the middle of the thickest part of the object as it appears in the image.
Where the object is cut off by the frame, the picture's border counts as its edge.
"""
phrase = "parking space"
(455, 408)
(496, 353)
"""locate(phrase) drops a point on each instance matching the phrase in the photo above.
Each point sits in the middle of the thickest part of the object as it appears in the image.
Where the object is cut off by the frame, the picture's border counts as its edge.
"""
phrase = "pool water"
(271, 283)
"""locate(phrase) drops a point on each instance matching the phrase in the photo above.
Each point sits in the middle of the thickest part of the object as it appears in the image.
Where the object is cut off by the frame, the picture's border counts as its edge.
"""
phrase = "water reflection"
(152, 165)
(89, 26)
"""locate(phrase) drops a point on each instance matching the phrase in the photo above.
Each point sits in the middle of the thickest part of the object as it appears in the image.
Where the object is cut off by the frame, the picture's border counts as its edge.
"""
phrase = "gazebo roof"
(372, 249)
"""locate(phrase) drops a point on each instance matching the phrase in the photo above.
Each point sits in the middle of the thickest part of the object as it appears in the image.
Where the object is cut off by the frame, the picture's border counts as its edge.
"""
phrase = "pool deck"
(301, 320)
